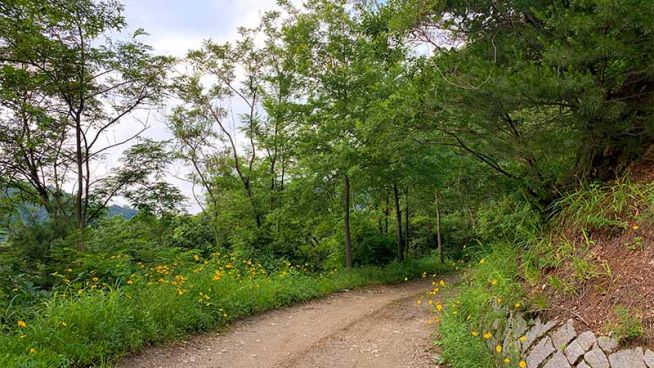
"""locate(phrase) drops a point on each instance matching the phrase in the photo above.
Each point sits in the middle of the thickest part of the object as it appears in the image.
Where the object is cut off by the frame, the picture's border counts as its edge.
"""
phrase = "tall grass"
(472, 324)
(98, 326)
(595, 207)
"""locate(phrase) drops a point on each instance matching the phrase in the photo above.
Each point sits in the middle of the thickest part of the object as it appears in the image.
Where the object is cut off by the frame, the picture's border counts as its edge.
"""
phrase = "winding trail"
(376, 327)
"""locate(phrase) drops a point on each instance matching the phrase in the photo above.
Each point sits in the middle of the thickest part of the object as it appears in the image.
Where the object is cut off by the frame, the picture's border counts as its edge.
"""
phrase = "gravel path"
(375, 327)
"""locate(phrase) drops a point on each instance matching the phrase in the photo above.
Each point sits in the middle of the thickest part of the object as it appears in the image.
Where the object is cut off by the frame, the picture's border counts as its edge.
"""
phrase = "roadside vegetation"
(100, 319)
(583, 263)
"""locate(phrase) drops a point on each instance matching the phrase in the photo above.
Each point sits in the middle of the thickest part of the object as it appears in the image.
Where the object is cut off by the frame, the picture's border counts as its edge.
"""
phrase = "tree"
(65, 86)
(202, 118)
(541, 92)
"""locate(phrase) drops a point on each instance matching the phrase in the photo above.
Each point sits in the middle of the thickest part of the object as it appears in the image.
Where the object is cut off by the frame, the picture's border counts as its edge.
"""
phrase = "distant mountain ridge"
(124, 211)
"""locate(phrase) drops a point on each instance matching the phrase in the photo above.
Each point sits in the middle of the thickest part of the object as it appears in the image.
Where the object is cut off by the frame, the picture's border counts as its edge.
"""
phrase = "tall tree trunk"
(380, 220)
(346, 218)
(79, 207)
(439, 242)
(387, 212)
(80, 176)
(398, 217)
(407, 225)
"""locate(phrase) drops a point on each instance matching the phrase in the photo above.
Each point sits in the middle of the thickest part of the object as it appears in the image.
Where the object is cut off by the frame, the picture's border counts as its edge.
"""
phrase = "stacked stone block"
(553, 345)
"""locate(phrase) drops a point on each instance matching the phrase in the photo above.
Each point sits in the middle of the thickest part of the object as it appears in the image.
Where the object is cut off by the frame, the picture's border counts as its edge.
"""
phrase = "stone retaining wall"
(555, 345)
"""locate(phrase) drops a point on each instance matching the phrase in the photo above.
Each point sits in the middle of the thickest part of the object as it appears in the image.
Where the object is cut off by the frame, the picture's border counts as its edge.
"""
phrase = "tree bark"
(387, 212)
(80, 175)
(407, 225)
(346, 222)
(439, 242)
(398, 217)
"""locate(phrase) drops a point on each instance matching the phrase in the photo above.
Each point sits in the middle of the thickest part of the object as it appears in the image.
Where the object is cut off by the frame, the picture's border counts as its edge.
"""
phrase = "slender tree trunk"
(439, 241)
(398, 217)
(346, 218)
(387, 212)
(407, 225)
(79, 210)
(80, 179)
(379, 213)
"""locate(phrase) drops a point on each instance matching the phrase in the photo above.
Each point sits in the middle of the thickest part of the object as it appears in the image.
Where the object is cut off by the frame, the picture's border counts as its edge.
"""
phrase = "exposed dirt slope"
(376, 327)
(618, 263)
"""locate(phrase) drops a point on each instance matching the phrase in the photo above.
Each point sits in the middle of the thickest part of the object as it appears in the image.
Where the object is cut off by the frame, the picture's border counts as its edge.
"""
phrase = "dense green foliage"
(333, 135)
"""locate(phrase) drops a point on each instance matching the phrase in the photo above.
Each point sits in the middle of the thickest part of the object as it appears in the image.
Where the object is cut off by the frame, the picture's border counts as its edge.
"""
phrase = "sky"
(174, 27)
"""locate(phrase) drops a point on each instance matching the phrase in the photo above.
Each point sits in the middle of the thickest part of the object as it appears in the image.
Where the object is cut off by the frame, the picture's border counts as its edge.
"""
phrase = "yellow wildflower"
(474, 333)
(482, 261)
(32, 350)
(488, 336)
(635, 227)
(441, 283)
(498, 348)
(507, 360)
(439, 307)
(493, 282)
(196, 257)
(22, 324)
(523, 338)
(522, 364)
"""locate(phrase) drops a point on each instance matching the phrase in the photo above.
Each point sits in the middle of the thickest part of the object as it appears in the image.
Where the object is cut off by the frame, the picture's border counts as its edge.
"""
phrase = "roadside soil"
(378, 327)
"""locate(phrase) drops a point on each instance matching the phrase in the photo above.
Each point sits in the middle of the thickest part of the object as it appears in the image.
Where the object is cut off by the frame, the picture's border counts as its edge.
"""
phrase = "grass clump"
(627, 325)
(96, 325)
(608, 207)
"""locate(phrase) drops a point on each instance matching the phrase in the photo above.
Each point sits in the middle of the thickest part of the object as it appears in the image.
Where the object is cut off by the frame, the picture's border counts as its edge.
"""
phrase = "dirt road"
(377, 327)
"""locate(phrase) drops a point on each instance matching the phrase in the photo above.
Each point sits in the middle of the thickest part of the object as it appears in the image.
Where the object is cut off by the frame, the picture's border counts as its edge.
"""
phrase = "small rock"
(558, 360)
(632, 358)
(596, 358)
(574, 352)
(649, 358)
(562, 337)
(583, 365)
(586, 340)
(540, 352)
(518, 325)
(608, 344)
(537, 332)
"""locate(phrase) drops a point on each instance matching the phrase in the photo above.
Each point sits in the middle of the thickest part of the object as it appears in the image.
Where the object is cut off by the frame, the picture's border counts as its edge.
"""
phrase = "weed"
(628, 324)
(560, 285)
(637, 243)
